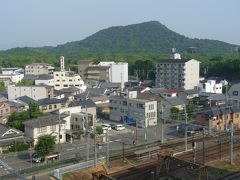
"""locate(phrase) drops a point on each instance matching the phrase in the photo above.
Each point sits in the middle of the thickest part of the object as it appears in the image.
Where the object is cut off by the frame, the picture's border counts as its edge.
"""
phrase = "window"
(237, 115)
(235, 93)
(53, 128)
(50, 106)
(55, 106)
(151, 107)
(44, 107)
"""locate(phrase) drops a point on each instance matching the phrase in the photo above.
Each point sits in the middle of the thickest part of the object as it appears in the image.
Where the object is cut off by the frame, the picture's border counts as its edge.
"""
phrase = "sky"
(52, 22)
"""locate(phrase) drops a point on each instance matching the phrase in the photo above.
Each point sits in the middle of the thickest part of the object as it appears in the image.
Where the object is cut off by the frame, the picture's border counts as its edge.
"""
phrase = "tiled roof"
(47, 101)
(43, 121)
(83, 103)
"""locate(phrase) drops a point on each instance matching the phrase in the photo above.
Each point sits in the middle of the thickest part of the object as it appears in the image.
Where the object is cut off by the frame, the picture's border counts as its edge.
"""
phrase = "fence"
(59, 172)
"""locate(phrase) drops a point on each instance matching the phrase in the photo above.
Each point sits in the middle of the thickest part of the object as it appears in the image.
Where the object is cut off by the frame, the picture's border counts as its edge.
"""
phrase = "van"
(119, 127)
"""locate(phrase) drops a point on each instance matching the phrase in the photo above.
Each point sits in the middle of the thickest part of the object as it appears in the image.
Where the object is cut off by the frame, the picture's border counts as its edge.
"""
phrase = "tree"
(99, 130)
(34, 110)
(191, 110)
(2, 87)
(174, 113)
(45, 145)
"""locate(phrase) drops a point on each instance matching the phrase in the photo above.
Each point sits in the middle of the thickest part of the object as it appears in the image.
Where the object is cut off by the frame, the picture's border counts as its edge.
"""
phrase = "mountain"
(150, 38)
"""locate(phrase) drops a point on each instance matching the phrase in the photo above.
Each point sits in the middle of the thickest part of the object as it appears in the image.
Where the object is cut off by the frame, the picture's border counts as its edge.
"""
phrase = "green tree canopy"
(174, 113)
(45, 145)
(99, 130)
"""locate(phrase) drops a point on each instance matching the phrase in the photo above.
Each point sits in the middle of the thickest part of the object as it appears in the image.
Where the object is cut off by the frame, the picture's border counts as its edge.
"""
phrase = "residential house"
(51, 104)
(35, 92)
(219, 117)
(10, 136)
(81, 121)
(4, 111)
(234, 92)
(52, 124)
(210, 99)
(210, 86)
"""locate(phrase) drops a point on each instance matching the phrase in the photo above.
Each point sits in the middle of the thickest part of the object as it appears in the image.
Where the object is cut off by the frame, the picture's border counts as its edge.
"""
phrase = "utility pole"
(59, 129)
(231, 145)
(107, 154)
(123, 151)
(162, 133)
(87, 147)
(203, 146)
(186, 129)
(220, 145)
(95, 147)
(226, 106)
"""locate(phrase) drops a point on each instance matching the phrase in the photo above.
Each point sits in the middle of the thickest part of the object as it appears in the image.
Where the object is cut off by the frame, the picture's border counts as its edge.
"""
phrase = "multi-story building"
(177, 73)
(44, 79)
(35, 92)
(125, 106)
(210, 86)
(108, 71)
(4, 112)
(65, 79)
(38, 69)
(81, 120)
(82, 67)
(11, 75)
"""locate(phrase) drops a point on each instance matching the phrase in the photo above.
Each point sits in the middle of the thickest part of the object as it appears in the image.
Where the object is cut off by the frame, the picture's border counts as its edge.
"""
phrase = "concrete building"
(35, 92)
(234, 92)
(108, 71)
(9, 71)
(49, 124)
(11, 78)
(4, 112)
(51, 104)
(38, 69)
(82, 67)
(210, 86)
(65, 79)
(81, 120)
(177, 73)
(125, 106)
(44, 79)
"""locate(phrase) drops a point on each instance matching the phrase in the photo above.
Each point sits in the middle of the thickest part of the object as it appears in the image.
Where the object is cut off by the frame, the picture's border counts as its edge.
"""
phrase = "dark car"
(113, 126)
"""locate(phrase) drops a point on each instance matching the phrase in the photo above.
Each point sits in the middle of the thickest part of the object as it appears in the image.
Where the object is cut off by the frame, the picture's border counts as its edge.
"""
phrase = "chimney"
(62, 65)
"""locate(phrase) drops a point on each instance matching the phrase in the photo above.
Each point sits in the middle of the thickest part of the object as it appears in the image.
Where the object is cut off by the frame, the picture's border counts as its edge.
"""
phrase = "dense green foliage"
(174, 113)
(99, 130)
(2, 87)
(191, 111)
(26, 83)
(17, 118)
(45, 145)
(17, 147)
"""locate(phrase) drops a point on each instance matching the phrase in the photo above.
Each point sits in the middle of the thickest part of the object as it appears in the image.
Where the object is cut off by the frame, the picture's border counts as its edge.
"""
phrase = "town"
(50, 115)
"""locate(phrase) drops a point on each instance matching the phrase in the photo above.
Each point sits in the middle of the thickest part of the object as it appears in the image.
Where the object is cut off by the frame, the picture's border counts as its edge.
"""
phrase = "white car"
(108, 126)
(119, 127)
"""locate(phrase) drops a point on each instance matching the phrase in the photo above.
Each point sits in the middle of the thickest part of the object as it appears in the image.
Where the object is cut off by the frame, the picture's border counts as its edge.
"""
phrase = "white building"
(49, 124)
(210, 86)
(128, 106)
(65, 79)
(9, 71)
(118, 72)
(45, 79)
(177, 73)
(38, 69)
(11, 78)
(35, 92)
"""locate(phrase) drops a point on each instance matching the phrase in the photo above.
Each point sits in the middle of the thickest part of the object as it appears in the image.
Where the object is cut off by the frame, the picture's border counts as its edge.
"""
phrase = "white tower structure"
(62, 65)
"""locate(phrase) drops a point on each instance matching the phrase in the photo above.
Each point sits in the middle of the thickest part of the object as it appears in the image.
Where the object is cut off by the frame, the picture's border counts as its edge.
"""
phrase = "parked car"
(37, 159)
(113, 126)
(107, 125)
(119, 127)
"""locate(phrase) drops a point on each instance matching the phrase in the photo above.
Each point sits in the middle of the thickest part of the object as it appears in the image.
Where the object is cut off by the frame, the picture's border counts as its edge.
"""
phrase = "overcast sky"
(53, 22)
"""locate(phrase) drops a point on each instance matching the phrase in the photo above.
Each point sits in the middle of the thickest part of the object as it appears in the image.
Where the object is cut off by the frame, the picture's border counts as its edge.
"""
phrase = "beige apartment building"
(126, 105)
(39, 69)
(177, 73)
(35, 92)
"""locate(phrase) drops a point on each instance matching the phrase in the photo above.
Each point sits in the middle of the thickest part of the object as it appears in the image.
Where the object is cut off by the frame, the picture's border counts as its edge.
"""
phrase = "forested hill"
(148, 38)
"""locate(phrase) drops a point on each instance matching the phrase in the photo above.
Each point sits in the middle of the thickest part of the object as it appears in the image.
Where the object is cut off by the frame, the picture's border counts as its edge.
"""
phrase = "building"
(219, 117)
(9, 71)
(177, 73)
(81, 121)
(4, 111)
(127, 107)
(51, 104)
(9, 136)
(50, 124)
(44, 80)
(35, 92)
(38, 69)
(234, 92)
(82, 67)
(11, 78)
(210, 86)
(108, 71)
(65, 79)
